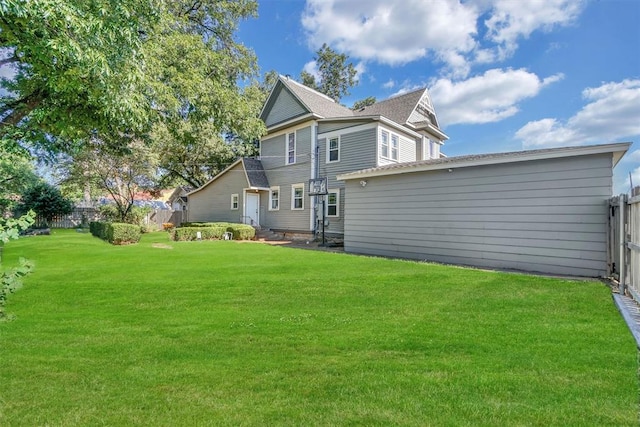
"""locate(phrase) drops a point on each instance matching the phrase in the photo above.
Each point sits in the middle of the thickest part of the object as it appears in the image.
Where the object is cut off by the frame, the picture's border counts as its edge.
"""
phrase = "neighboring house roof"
(618, 150)
(254, 173)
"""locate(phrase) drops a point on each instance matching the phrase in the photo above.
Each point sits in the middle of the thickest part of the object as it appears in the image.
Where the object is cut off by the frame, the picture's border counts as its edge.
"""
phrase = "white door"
(251, 209)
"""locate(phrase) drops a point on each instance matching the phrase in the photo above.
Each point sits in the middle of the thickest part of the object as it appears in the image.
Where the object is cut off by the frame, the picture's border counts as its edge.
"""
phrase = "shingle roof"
(315, 101)
(255, 173)
(397, 108)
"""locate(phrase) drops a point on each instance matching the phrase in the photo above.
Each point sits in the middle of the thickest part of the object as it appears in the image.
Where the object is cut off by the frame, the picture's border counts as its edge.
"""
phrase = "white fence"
(624, 241)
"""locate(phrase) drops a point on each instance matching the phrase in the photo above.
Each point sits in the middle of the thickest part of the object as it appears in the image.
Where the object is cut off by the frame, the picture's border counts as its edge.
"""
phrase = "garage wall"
(213, 201)
(545, 216)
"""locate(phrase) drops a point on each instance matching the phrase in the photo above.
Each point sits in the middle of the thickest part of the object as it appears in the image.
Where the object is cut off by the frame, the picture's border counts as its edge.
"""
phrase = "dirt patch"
(161, 246)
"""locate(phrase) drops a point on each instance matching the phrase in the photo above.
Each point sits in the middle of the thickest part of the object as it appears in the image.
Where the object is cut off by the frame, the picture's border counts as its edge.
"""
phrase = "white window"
(395, 142)
(384, 144)
(234, 201)
(297, 197)
(274, 199)
(435, 150)
(333, 150)
(333, 203)
(291, 148)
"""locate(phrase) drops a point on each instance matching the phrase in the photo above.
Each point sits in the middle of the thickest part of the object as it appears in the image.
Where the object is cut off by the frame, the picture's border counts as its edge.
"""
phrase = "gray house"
(309, 135)
(540, 210)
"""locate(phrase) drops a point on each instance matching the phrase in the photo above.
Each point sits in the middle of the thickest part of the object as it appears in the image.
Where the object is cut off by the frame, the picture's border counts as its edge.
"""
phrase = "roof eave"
(617, 150)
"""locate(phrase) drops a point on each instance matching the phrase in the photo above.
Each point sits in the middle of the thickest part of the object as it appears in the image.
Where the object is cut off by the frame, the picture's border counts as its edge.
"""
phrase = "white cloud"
(390, 84)
(611, 113)
(392, 32)
(311, 67)
(511, 20)
(397, 32)
(490, 97)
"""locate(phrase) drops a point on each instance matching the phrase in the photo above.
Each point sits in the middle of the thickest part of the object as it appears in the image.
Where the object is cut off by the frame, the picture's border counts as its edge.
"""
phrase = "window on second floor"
(291, 148)
(333, 150)
(395, 143)
(384, 143)
(274, 199)
(297, 197)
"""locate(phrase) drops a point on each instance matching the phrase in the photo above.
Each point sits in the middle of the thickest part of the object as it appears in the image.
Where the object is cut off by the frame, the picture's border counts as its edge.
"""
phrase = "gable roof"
(253, 172)
(397, 108)
(256, 176)
(617, 150)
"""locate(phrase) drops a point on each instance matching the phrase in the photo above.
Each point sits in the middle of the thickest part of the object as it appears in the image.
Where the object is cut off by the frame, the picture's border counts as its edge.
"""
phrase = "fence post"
(623, 244)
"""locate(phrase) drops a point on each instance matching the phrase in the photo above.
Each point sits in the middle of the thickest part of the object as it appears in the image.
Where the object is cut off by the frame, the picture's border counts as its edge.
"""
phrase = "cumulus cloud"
(490, 97)
(397, 32)
(611, 113)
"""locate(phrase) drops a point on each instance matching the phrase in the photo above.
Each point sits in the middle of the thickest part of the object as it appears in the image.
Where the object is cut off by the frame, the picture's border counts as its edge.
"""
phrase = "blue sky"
(504, 75)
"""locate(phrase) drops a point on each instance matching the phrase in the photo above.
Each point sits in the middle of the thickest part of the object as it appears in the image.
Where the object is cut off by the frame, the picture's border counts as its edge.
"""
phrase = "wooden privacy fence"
(79, 217)
(624, 242)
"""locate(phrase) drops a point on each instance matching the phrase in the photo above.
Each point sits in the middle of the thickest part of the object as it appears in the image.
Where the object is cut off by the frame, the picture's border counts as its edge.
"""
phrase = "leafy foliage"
(10, 280)
(115, 232)
(16, 174)
(370, 100)
(46, 201)
(336, 74)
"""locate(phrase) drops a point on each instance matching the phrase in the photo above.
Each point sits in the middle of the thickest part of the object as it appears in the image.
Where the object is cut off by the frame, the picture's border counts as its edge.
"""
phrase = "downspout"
(315, 166)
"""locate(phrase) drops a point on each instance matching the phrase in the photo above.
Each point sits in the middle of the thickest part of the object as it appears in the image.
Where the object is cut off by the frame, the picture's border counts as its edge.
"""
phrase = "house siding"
(546, 216)
(213, 202)
(325, 127)
(286, 107)
(272, 153)
(357, 151)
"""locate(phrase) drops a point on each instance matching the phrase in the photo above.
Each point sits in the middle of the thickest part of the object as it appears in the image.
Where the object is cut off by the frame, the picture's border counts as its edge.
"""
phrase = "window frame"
(273, 190)
(384, 145)
(235, 202)
(329, 150)
(294, 187)
(394, 146)
(336, 204)
(287, 149)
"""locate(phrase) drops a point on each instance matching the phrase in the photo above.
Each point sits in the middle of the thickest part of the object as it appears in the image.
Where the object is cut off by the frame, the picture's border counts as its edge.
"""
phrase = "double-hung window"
(395, 142)
(384, 144)
(291, 148)
(297, 197)
(274, 199)
(333, 150)
(234, 201)
(333, 203)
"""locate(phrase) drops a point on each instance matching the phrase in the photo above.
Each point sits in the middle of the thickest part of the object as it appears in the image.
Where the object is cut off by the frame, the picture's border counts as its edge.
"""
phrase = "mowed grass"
(226, 333)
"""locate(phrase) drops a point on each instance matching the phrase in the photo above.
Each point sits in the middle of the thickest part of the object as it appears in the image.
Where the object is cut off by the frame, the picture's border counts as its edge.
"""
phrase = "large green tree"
(46, 201)
(78, 67)
(17, 173)
(337, 75)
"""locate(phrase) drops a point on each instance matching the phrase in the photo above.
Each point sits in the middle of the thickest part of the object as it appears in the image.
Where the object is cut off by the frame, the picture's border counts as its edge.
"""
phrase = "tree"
(46, 201)
(119, 172)
(370, 100)
(77, 70)
(16, 175)
(337, 75)
(207, 121)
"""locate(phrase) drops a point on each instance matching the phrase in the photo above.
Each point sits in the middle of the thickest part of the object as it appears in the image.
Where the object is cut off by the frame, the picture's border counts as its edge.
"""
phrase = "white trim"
(337, 192)
(271, 190)
(293, 192)
(328, 151)
(617, 150)
(245, 195)
(237, 201)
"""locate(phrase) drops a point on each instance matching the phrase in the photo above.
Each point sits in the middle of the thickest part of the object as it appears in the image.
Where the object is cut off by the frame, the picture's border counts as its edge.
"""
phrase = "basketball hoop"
(318, 186)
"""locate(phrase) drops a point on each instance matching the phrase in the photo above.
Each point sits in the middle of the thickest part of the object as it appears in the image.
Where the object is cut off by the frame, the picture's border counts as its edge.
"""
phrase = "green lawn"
(225, 333)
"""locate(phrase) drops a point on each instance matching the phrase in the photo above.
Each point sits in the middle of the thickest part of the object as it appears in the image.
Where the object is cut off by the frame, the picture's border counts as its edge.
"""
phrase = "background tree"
(119, 173)
(46, 201)
(337, 75)
(16, 175)
(370, 100)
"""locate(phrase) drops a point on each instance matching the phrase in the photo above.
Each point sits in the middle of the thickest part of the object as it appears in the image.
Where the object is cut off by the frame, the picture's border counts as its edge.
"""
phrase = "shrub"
(191, 233)
(212, 230)
(116, 233)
